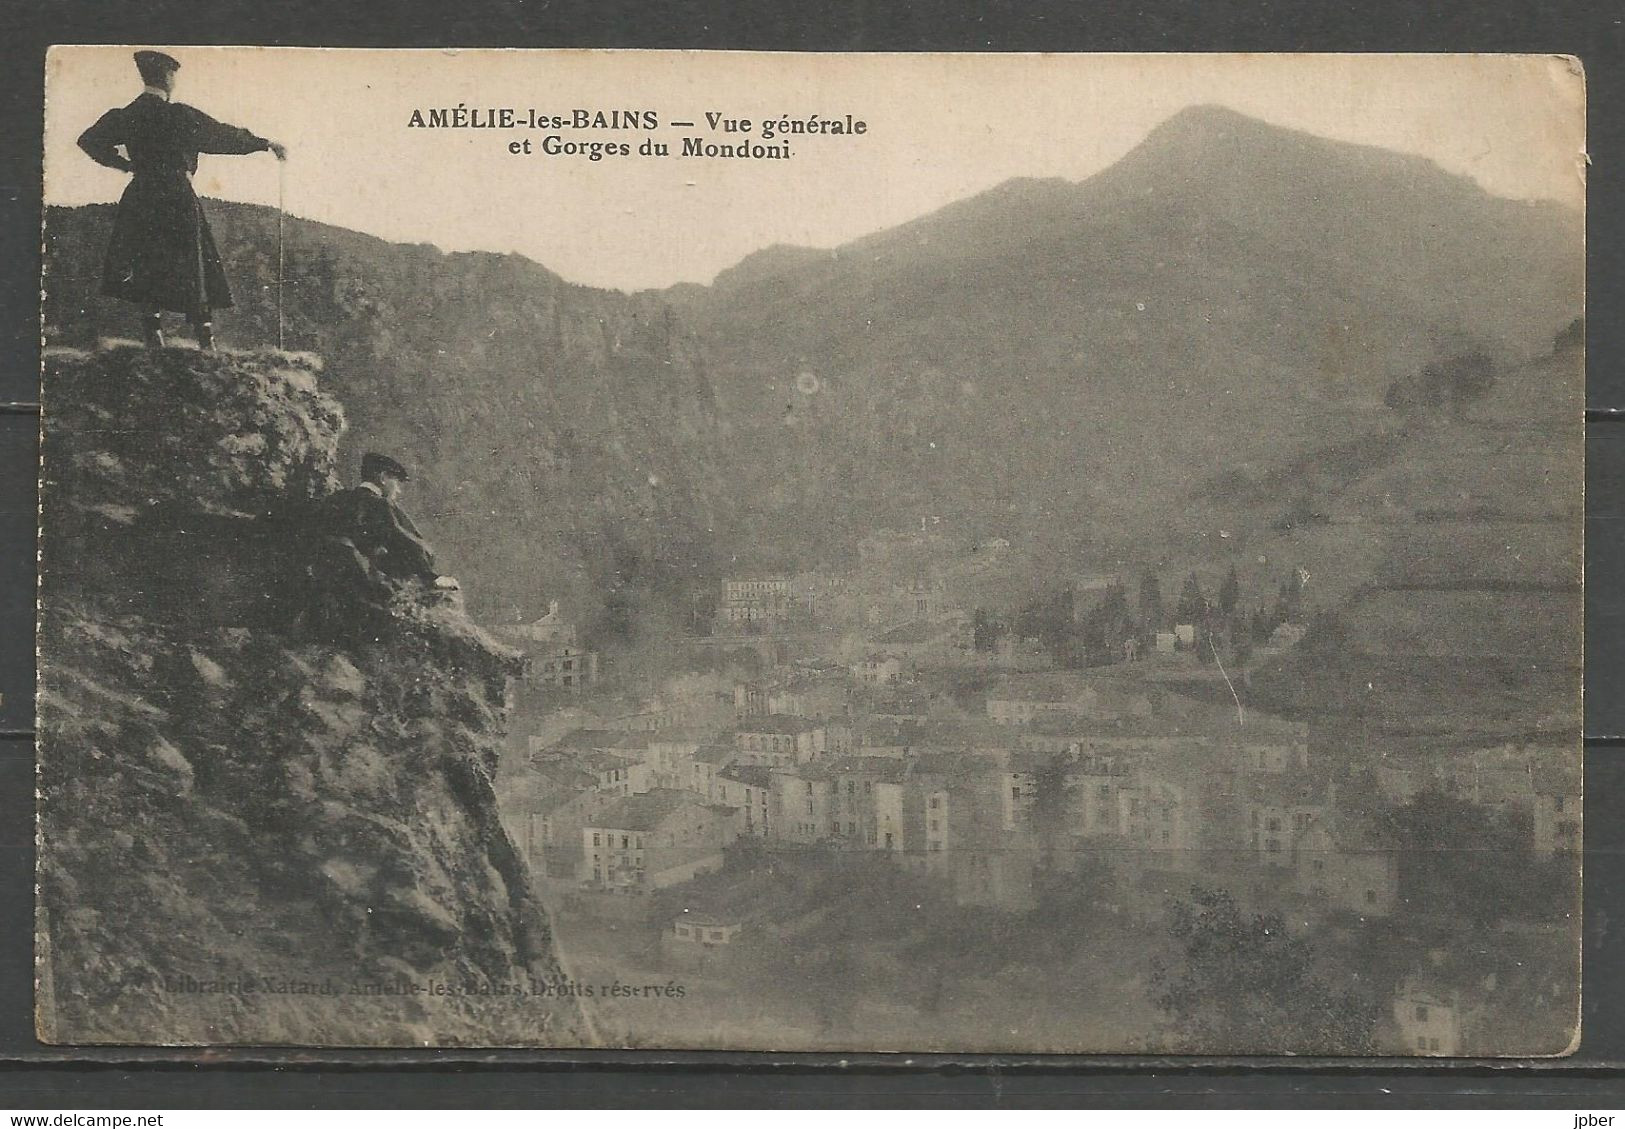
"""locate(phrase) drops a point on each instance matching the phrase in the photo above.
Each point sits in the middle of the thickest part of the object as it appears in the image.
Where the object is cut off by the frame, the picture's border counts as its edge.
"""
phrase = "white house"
(704, 929)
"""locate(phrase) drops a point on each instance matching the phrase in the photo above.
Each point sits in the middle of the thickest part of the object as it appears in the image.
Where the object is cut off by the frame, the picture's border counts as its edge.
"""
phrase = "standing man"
(162, 255)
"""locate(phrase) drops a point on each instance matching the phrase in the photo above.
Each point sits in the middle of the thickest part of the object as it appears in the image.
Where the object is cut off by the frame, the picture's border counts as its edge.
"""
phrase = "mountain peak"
(1208, 125)
(1208, 116)
(1244, 166)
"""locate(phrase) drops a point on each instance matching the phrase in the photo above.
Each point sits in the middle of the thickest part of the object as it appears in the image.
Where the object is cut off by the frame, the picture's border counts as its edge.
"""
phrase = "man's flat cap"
(374, 465)
(154, 64)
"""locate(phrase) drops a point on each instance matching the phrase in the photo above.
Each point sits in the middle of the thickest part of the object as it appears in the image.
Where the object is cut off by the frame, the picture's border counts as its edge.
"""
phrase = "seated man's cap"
(374, 465)
(155, 64)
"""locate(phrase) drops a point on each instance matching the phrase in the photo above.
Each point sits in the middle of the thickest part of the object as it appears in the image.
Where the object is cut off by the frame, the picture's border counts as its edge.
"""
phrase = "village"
(872, 720)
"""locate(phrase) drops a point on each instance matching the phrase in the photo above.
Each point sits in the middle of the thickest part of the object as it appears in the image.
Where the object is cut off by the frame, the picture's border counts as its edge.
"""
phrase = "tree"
(1229, 593)
(1192, 606)
(985, 631)
(1572, 336)
(1151, 614)
(1105, 626)
(1263, 625)
(1246, 984)
(1446, 385)
(1049, 619)
(1470, 378)
(1114, 604)
(1442, 842)
(1289, 607)
(1045, 615)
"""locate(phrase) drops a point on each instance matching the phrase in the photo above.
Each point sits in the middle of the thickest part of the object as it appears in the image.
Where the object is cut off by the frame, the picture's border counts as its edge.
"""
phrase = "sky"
(940, 128)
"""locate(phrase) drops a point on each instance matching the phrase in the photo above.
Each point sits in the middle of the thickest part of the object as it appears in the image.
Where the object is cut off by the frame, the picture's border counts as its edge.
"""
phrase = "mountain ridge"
(1060, 363)
(1192, 297)
(1190, 133)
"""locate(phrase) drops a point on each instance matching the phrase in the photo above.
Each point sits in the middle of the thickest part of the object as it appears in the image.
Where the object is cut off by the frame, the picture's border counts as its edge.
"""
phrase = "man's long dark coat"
(382, 532)
(162, 254)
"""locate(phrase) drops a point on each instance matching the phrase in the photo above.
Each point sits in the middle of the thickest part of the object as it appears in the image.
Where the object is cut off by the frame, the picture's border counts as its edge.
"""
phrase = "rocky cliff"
(249, 833)
(562, 439)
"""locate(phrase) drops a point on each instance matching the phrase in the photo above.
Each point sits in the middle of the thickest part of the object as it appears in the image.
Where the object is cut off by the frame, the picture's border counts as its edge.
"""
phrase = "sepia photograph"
(938, 553)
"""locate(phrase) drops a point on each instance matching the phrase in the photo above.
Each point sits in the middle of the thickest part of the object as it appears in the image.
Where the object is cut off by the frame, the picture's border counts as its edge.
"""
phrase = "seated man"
(372, 549)
(370, 516)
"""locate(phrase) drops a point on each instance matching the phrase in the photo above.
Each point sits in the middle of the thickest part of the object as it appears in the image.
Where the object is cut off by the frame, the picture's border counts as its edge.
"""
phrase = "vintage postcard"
(932, 553)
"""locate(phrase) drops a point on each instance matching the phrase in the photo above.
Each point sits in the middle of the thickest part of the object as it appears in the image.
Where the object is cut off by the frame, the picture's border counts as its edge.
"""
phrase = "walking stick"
(281, 210)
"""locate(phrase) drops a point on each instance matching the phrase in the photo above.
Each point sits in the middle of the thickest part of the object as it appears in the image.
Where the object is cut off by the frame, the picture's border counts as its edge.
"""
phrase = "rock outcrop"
(249, 834)
(564, 438)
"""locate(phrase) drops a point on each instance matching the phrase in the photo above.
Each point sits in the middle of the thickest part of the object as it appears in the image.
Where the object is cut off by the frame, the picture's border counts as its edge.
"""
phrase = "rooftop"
(812, 770)
(885, 767)
(920, 631)
(778, 723)
(1026, 760)
(557, 798)
(602, 760)
(950, 765)
(1149, 728)
(755, 775)
(600, 739)
(561, 772)
(690, 917)
(715, 754)
(678, 735)
(645, 811)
